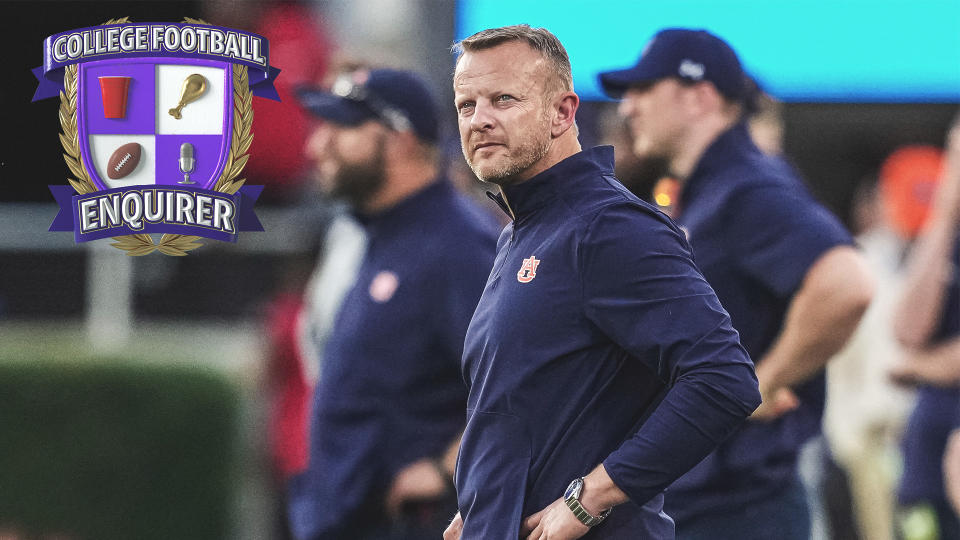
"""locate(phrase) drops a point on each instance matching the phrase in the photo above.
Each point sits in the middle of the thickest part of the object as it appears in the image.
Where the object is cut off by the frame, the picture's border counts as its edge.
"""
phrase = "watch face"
(573, 490)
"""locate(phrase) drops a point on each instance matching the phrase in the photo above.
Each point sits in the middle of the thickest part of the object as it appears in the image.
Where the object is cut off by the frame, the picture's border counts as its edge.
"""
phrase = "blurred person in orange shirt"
(866, 412)
(927, 324)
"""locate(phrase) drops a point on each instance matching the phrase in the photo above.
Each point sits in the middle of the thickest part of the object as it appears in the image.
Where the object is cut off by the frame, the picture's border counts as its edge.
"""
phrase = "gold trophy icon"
(194, 86)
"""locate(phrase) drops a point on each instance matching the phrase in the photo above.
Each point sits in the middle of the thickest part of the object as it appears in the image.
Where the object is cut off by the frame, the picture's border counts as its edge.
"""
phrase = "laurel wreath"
(170, 244)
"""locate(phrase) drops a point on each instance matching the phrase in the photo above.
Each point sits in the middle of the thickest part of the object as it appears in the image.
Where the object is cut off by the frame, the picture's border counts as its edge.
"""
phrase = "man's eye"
(466, 105)
(504, 97)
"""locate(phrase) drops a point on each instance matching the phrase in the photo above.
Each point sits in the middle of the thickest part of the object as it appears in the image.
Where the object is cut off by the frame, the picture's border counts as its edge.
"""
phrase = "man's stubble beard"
(527, 154)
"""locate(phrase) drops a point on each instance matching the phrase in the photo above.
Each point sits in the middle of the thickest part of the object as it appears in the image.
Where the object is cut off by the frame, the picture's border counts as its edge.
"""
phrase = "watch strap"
(581, 513)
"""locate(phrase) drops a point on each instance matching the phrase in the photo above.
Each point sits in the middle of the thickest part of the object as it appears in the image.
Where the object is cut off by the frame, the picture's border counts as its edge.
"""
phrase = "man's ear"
(400, 144)
(705, 98)
(564, 113)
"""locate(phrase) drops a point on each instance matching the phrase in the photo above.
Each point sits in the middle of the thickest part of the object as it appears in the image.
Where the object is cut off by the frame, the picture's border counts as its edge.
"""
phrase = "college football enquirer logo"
(155, 121)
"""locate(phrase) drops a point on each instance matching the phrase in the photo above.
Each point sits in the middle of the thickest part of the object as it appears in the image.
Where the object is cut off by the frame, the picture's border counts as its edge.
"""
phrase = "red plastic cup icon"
(113, 91)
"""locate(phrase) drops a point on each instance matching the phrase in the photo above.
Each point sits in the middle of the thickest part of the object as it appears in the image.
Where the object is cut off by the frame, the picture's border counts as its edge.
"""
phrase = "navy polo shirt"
(935, 415)
(755, 231)
(390, 390)
(596, 340)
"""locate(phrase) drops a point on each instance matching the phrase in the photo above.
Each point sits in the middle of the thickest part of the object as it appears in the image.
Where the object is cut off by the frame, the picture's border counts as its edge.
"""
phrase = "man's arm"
(642, 290)
(929, 268)
(424, 479)
(821, 318)
(698, 413)
(935, 365)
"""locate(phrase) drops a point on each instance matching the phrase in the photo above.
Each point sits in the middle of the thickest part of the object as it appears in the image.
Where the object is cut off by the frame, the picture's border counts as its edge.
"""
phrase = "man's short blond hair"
(540, 39)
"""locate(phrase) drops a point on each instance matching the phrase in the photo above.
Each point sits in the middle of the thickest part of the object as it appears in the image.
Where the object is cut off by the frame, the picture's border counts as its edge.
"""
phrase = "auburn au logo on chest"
(528, 270)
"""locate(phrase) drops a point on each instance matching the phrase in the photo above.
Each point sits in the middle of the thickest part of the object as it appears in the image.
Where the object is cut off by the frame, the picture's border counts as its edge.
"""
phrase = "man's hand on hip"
(776, 403)
(555, 522)
(420, 480)
(454, 529)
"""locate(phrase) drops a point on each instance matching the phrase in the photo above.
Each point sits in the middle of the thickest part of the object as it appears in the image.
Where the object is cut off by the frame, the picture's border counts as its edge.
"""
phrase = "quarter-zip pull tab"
(501, 201)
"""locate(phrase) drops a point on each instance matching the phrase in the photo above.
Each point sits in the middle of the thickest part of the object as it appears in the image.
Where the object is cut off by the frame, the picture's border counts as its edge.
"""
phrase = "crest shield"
(152, 87)
(156, 121)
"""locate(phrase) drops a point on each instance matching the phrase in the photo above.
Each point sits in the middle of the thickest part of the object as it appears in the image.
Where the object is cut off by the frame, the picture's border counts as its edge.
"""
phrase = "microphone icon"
(187, 163)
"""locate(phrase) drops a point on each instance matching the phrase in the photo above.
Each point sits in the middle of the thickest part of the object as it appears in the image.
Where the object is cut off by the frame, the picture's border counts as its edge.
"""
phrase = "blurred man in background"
(928, 325)
(389, 401)
(782, 266)
(601, 365)
(866, 411)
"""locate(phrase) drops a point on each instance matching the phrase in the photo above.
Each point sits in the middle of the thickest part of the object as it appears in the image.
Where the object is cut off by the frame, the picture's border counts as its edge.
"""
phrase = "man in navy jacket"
(782, 265)
(389, 400)
(600, 364)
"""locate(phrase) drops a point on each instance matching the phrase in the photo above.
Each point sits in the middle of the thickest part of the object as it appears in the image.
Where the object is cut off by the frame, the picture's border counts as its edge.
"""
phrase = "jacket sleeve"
(642, 289)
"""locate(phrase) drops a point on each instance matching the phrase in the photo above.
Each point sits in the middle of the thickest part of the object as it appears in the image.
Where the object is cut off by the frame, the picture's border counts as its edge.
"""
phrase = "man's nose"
(482, 118)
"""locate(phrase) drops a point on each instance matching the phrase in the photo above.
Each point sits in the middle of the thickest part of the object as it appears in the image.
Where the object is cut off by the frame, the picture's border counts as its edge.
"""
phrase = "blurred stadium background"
(134, 391)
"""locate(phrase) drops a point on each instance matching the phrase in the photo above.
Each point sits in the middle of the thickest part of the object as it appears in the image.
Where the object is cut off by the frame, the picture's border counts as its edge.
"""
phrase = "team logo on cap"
(156, 127)
(690, 69)
(528, 270)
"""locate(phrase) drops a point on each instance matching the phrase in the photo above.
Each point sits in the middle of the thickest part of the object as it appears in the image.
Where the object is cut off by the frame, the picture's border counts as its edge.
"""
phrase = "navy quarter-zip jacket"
(596, 339)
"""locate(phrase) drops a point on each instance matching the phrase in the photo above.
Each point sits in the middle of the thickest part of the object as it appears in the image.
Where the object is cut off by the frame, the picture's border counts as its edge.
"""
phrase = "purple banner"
(156, 209)
(155, 40)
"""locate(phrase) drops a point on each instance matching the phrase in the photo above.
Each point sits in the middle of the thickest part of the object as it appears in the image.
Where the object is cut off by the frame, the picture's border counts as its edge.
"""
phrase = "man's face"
(349, 160)
(656, 116)
(503, 102)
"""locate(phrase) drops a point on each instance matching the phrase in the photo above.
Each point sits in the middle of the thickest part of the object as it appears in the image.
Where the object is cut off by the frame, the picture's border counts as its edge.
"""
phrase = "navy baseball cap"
(690, 55)
(400, 99)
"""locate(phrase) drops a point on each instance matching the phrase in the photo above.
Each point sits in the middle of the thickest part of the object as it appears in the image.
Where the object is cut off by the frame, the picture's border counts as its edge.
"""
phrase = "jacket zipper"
(505, 206)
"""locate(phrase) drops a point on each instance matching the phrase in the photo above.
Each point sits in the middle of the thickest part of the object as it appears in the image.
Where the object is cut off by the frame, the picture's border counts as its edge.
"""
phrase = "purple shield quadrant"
(140, 117)
(206, 152)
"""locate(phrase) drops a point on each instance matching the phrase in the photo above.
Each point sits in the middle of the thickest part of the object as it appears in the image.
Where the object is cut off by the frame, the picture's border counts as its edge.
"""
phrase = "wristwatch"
(572, 499)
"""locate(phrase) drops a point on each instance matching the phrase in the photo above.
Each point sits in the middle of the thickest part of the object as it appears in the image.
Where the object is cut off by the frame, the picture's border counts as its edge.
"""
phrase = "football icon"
(124, 160)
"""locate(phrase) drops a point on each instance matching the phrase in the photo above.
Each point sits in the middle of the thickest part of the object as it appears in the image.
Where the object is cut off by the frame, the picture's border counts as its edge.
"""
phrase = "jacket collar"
(520, 200)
